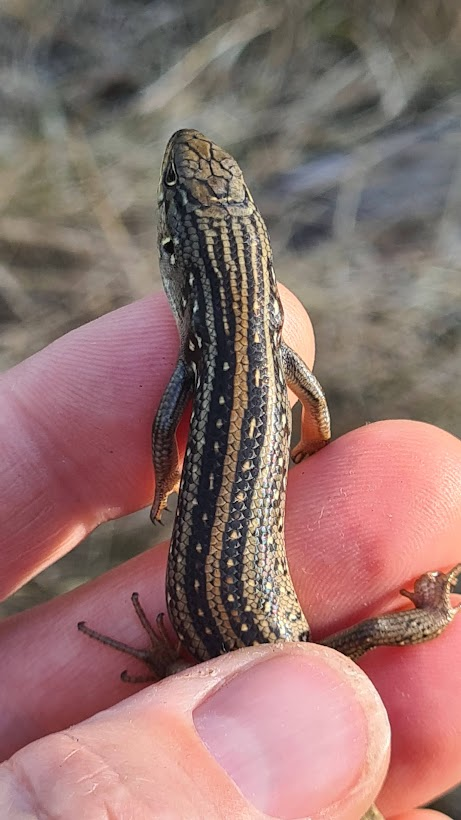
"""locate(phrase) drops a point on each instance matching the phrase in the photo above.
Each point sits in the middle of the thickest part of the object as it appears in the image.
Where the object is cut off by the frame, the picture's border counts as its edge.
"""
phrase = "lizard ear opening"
(168, 245)
(171, 176)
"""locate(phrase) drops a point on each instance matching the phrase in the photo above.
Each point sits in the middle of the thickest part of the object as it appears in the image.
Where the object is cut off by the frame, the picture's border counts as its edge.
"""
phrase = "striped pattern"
(228, 583)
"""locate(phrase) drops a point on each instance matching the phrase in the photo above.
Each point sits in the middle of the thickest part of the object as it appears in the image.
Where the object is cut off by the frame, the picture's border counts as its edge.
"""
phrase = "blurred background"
(346, 119)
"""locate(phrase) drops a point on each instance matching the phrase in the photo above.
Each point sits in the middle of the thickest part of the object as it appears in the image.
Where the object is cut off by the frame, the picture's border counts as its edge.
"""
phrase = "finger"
(384, 505)
(75, 430)
(416, 682)
(281, 731)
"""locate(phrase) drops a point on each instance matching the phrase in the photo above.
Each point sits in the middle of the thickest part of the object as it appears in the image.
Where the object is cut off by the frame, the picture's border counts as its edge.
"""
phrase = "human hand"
(298, 728)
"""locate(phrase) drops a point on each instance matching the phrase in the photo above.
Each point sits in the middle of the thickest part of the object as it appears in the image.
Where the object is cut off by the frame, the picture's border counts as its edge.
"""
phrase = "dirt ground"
(346, 119)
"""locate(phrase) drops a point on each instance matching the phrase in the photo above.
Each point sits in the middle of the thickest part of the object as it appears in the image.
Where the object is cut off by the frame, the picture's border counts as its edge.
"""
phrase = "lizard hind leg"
(162, 657)
(433, 612)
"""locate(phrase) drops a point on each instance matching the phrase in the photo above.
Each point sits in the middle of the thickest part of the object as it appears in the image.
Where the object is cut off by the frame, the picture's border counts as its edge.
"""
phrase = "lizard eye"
(171, 176)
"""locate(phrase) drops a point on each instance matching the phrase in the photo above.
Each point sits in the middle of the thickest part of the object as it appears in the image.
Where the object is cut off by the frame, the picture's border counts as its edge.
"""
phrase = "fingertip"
(371, 511)
(289, 730)
(295, 709)
(298, 332)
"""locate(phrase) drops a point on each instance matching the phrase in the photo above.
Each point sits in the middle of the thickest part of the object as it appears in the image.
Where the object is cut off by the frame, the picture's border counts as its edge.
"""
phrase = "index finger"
(75, 430)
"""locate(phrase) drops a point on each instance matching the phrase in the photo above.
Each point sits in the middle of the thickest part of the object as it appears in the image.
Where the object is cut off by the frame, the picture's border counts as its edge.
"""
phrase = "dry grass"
(346, 118)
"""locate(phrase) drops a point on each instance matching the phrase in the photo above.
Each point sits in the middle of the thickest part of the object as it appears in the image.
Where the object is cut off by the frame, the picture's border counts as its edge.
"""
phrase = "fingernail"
(290, 731)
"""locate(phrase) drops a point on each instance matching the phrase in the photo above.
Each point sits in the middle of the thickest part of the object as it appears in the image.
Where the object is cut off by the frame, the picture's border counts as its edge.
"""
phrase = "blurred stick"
(233, 35)
(137, 269)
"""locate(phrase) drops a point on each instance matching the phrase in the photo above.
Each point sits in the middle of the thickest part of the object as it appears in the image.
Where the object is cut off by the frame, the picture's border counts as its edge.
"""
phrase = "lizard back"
(228, 582)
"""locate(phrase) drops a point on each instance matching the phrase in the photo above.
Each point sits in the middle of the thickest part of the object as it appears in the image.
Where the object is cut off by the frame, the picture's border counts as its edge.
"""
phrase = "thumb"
(289, 731)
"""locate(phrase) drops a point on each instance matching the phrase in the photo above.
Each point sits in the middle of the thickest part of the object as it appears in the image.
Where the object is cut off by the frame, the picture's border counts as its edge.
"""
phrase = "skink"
(228, 583)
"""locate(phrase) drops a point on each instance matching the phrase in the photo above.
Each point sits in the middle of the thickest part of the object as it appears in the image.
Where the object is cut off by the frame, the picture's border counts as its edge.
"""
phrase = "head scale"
(202, 197)
(201, 173)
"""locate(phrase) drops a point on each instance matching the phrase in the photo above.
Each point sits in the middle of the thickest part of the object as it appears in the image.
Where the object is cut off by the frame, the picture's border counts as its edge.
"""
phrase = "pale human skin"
(283, 731)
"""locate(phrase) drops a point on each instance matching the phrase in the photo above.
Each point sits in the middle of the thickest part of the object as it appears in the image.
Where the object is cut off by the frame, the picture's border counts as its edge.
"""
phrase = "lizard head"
(200, 174)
